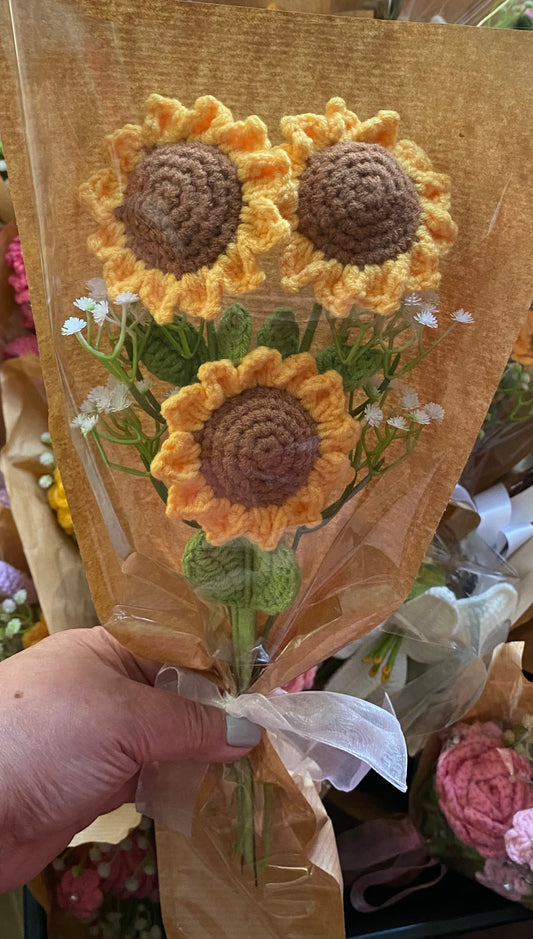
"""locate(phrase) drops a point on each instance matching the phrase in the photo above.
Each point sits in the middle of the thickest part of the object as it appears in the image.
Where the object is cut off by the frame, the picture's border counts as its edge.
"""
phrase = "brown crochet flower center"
(357, 205)
(259, 447)
(181, 207)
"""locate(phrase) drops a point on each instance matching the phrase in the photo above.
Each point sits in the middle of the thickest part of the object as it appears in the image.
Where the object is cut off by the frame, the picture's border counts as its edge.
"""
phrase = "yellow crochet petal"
(110, 242)
(381, 129)
(242, 138)
(209, 115)
(190, 499)
(178, 460)
(127, 147)
(259, 367)
(296, 369)
(101, 194)
(319, 393)
(411, 156)
(264, 226)
(342, 123)
(220, 380)
(166, 121)
(187, 410)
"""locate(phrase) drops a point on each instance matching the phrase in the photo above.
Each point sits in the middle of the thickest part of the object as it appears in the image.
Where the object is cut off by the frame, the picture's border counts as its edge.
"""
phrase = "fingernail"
(240, 732)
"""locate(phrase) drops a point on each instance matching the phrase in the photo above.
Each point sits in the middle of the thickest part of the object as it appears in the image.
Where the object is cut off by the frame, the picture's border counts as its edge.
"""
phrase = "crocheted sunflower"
(369, 215)
(186, 206)
(256, 448)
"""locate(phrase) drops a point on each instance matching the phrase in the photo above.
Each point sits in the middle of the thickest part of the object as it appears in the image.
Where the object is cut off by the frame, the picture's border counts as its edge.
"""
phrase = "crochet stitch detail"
(357, 205)
(241, 574)
(259, 447)
(181, 207)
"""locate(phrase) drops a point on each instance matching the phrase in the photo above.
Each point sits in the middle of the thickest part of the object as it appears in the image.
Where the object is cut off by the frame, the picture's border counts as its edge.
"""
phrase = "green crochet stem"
(243, 627)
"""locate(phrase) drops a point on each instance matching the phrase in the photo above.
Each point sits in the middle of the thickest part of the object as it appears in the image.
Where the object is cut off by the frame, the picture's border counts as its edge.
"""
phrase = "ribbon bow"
(317, 734)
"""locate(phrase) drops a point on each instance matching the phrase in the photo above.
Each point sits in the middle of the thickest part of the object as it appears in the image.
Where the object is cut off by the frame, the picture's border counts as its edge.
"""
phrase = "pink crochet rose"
(519, 838)
(504, 878)
(80, 895)
(303, 682)
(481, 786)
(486, 729)
(22, 345)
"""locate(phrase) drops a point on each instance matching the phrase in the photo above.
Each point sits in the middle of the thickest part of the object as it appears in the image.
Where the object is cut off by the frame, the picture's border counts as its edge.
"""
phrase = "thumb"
(163, 726)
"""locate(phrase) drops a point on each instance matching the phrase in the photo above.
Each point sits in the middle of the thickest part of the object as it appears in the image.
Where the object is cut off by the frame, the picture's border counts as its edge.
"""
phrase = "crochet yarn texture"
(181, 207)
(357, 204)
(256, 448)
(240, 574)
(259, 447)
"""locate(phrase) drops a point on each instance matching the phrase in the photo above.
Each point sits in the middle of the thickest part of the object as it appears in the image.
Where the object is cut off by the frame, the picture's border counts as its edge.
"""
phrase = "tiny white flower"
(399, 423)
(426, 318)
(94, 851)
(144, 385)
(73, 325)
(100, 312)
(527, 722)
(46, 438)
(131, 884)
(413, 299)
(45, 481)
(47, 459)
(104, 869)
(462, 316)
(124, 299)
(85, 422)
(409, 399)
(9, 606)
(113, 396)
(430, 308)
(20, 597)
(58, 864)
(435, 412)
(373, 415)
(508, 737)
(420, 417)
(13, 627)
(97, 288)
(525, 381)
(86, 304)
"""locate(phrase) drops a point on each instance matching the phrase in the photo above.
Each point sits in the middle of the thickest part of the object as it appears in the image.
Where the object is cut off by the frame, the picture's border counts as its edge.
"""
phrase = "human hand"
(78, 718)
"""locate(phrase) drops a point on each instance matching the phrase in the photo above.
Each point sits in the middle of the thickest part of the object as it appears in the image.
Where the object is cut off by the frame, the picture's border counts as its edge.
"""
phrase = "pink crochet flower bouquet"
(475, 805)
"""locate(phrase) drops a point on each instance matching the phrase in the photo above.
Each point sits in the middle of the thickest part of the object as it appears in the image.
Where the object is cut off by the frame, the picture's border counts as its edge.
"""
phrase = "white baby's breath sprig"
(46, 481)
(412, 299)
(13, 627)
(462, 316)
(85, 304)
(434, 411)
(84, 422)
(109, 398)
(9, 605)
(101, 312)
(373, 415)
(398, 422)
(419, 416)
(426, 318)
(47, 459)
(73, 325)
(143, 385)
(126, 298)
(20, 597)
(409, 399)
(97, 288)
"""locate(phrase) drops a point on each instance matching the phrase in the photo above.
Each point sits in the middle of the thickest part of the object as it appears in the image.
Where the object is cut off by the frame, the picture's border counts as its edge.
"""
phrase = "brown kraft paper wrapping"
(86, 72)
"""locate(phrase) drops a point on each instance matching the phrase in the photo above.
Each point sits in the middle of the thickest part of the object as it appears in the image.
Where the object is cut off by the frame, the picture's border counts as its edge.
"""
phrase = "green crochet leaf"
(355, 373)
(174, 352)
(234, 333)
(242, 575)
(280, 331)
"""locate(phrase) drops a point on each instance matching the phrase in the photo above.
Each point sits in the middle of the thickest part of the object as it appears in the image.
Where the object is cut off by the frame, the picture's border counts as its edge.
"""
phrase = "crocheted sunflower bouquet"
(257, 429)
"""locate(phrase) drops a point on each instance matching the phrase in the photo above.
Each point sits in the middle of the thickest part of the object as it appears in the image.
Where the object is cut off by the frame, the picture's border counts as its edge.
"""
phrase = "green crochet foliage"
(240, 574)
(234, 333)
(280, 331)
(174, 352)
(355, 373)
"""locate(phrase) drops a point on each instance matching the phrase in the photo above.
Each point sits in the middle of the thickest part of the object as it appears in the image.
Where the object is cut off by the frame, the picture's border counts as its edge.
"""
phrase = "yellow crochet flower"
(57, 501)
(369, 216)
(189, 201)
(256, 448)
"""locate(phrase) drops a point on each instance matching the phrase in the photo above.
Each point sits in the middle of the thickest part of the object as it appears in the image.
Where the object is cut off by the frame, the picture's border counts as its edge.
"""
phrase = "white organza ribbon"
(506, 522)
(317, 734)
